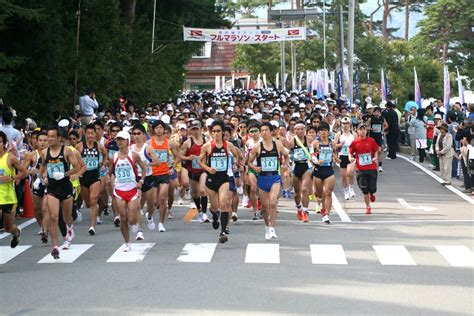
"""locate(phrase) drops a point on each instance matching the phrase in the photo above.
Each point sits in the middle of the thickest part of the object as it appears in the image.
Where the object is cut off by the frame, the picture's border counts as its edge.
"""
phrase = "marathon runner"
(342, 142)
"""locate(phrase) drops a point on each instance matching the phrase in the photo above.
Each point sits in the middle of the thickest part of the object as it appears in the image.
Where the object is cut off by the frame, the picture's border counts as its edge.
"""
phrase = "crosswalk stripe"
(393, 255)
(197, 252)
(262, 253)
(327, 254)
(457, 256)
(67, 256)
(7, 253)
(137, 253)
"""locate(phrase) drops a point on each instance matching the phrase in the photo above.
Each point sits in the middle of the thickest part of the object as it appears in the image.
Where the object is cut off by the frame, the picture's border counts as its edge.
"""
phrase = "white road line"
(197, 252)
(420, 207)
(262, 253)
(67, 256)
(457, 256)
(22, 225)
(434, 176)
(138, 253)
(327, 254)
(339, 210)
(7, 253)
(393, 255)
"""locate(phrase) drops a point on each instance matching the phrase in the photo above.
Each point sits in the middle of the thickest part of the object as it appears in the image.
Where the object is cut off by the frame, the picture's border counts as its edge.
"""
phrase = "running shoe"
(66, 245)
(351, 191)
(44, 238)
(245, 201)
(41, 231)
(299, 215)
(227, 230)
(15, 239)
(134, 228)
(79, 217)
(187, 195)
(161, 228)
(180, 201)
(305, 217)
(317, 209)
(326, 219)
(127, 247)
(240, 190)
(55, 252)
(200, 215)
(170, 214)
(268, 233)
(117, 221)
(215, 220)
(346, 194)
(205, 218)
(380, 169)
(235, 217)
(105, 211)
(372, 197)
(70, 233)
(223, 238)
(98, 220)
(150, 223)
(92, 231)
(312, 197)
(368, 210)
(273, 233)
(255, 216)
(140, 235)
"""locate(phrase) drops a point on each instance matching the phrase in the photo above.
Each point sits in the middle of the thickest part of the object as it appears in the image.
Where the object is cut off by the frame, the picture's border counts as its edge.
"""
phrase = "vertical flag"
(259, 85)
(349, 86)
(218, 83)
(447, 89)
(460, 87)
(387, 85)
(339, 84)
(248, 82)
(332, 82)
(308, 80)
(265, 81)
(417, 90)
(233, 81)
(300, 81)
(383, 91)
(223, 82)
(357, 84)
(285, 77)
(277, 81)
(368, 81)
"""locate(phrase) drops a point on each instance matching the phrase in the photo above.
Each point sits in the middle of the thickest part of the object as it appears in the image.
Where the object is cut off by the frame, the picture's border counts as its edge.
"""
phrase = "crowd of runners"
(219, 150)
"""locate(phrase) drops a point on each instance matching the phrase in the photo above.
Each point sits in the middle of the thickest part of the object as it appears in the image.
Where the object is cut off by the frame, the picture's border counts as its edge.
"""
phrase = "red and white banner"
(244, 36)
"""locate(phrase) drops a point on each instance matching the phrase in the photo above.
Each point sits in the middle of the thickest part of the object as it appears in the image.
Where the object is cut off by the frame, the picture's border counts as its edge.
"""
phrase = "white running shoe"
(161, 228)
(326, 219)
(40, 233)
(200, 217)
(240, 190)
(98, 220)
(140, 235)
(127, 247)
(192, 205)
(245, 201)
(150, 223)
(273, 233)
(235, 217)
(380, 169)
(79, 217)
(66, 245)
(133, 228)
(346, 194)
(180, 201)
(187, 195)
(170, 214)
(351, 191)
(70, 233)
(268, 233)
(205, 218)
(92, 231)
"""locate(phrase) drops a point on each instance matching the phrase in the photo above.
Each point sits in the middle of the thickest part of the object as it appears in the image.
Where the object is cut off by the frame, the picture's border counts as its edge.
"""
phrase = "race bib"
(376, 128)
(92, 163)
(124, 174)
(345, 150)
(269, 164)
(2, 173)
(195, 164)
(162, 155)
(326, 156)
(299, 154)
(54, 167)
(219, 163)
(365, 159)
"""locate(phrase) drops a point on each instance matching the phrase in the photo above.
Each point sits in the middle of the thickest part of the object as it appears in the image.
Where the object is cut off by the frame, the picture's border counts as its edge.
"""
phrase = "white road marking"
(7, 253)
(420, 207)
(327, 254)
(262, 253)
(67, 256)
(434, 176)
(22, 225)
(137, 254)
(457, 256)
(197, 252)
(393, 255)
(339, 210)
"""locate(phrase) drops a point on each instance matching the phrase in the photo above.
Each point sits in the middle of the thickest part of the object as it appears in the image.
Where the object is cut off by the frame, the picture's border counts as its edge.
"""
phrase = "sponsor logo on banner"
(294, 32)
(196, 33)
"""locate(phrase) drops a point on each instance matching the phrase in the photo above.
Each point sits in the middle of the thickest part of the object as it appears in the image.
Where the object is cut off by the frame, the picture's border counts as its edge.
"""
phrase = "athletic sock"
(215, 215)
(305, 209)
(204, 204)
(197, 201)
(380, 164)
(298, 206)
(224, 221)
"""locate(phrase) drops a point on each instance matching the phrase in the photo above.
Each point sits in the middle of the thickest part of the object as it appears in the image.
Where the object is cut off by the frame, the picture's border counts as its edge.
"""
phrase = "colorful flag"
(357, 84)
(265, 81)
(368, 81)
(332, 82)
(447, 89)
(417, 90)
(300, 81)
(339, 84)
(277, 81)
(387, 85)
(383, 91)
(460, 87)
(349, 86)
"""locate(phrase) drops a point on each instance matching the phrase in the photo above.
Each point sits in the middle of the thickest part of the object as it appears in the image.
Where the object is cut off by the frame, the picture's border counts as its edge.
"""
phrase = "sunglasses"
(142, 117)
(253, 131)
(72, 138)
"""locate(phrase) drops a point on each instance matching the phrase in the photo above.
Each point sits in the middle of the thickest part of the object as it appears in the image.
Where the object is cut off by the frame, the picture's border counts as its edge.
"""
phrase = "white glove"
(58, 176)
(36, 184)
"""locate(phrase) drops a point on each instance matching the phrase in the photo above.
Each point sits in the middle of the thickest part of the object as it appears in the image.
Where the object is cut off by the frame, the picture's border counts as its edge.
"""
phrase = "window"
(204, 51)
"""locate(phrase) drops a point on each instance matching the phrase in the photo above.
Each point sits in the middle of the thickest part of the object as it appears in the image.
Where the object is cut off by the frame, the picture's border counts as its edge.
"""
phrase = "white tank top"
(125, 177)
(347, 142)
(143, 158)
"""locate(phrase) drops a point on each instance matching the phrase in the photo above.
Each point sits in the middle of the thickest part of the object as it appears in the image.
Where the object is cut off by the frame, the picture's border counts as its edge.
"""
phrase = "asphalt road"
(413, 255)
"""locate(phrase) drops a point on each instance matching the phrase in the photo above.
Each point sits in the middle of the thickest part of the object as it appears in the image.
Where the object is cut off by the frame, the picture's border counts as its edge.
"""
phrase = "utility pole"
(350, 42)
(341, 42)
(78, 32)
(153, 30)
(283, 65)
(324, 33)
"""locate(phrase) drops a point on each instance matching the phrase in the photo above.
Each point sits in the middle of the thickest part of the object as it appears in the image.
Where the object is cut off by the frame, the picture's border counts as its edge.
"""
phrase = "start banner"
(244, 36)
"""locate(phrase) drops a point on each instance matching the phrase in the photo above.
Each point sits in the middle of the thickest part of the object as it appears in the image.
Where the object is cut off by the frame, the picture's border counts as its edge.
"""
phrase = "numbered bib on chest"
(345, 150)
(326, 156)
(269, 164)
(299, 154)
(377, 128)
(2, 173)
(92, 163)
(365, 159)
(162, 155)
(195, 164)
(124, 174)
(54, 167)
(219, 163)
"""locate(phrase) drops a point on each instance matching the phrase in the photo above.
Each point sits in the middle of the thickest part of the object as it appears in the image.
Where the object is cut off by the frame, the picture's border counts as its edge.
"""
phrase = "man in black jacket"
(393, 130)
(466, 133)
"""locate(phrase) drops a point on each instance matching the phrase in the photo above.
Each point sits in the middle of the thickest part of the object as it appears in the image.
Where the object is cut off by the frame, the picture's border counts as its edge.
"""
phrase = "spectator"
(445, 152)
(393, 131)
(418, 124)
(14, 136)
(88, 104)
(410, 130)
(465, 136)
